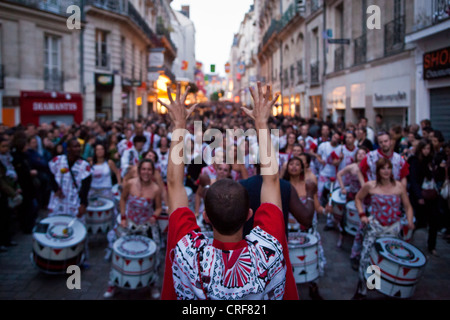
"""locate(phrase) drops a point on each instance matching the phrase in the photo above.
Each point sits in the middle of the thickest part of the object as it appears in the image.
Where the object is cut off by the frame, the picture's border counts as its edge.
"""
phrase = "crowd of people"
(58, 168)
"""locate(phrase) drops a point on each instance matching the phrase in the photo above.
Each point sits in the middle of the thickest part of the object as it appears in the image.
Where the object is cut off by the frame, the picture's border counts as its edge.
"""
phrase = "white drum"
(303, 253)
(163, 222)
(57, 246)
(352, 220)
(338, 201)
(405, 233)
(100, 215)
(133, 262)
(401, 266)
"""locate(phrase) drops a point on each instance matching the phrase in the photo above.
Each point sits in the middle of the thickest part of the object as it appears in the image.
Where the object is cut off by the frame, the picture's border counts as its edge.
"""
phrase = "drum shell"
(163, 222)
(57, 254)
(100, 220)
(304, 258)
(397, 280)
(56, 266)
(352, 219)
(130, 272)
(338, 203)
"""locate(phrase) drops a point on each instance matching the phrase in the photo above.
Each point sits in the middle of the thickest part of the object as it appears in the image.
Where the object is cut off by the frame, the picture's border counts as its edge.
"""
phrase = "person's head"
(139, 129)
(291, 139)
(139, 141)
(306, 159)
(4, 145)
(335, 139)
(425, 123)
(361, 133)
(146, 168)
(304, 130)
(297, 150)
(350, 138)
(437, 140)
(384, 171)
(152, 155)
(227, 206)
(396, 132)
(363, 122)
(73, 149)
(31, 130)
(163, 142)
(32, 143)
(294, 168)
(360, 154)
(325, 131)
(128, 133)
(427, 132)
(424, 149)
(384, 141)
(99, 152)
(223, 171)
(379, 119)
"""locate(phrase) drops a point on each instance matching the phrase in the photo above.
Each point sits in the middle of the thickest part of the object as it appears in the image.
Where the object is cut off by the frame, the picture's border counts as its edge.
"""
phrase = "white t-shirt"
(328, 153)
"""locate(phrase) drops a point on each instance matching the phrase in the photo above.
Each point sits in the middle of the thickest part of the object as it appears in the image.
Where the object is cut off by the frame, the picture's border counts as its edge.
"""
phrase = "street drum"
(57, 246)
(401, 266)
(303, 253)
(352, 220)
(163, 222)
(338, 201)
(133, 262)
(100, 215)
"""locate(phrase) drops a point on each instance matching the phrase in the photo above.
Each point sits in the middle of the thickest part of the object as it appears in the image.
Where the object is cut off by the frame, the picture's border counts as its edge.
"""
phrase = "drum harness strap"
(200, 257)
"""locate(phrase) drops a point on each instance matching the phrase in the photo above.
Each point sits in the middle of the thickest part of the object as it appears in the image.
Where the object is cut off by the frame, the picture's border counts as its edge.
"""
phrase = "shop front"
(39, 107)
(104, 85)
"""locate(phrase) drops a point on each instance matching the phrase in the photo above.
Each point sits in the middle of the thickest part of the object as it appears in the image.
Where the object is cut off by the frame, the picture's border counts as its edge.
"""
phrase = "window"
(101, 52)
(53, 76)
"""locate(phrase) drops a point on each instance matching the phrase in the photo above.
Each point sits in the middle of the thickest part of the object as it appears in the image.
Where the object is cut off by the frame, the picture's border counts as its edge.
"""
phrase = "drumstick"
(66, 229)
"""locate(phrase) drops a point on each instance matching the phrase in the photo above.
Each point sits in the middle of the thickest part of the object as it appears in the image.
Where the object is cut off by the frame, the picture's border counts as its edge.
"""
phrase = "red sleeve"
(313, 147)
(404, 171)
(181, 222)
(364, 167)
(270, 218)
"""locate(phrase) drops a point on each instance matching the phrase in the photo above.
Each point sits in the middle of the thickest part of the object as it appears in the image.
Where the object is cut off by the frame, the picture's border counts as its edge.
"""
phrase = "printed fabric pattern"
(139, 210)
(386, 208)
(253, 272)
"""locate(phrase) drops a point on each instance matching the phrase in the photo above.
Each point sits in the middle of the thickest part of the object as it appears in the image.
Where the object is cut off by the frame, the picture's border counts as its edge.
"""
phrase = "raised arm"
(178, 114)
(270, 190)
(303, 213)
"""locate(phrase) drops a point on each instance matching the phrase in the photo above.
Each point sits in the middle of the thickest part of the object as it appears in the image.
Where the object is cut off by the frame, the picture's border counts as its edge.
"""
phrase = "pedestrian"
(139, 196)
(386, 197)
(204, 275)
(423, 191)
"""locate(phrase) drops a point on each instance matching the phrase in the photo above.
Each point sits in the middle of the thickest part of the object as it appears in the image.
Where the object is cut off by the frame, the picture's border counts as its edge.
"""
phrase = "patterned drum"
(338, 201)
(100, 215)
(57, 246)
(401, 266)
(303, 253)
(352, 220)
(133, 262)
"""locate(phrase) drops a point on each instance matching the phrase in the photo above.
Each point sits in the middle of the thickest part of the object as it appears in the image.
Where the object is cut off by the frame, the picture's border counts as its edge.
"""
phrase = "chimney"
(186, 11)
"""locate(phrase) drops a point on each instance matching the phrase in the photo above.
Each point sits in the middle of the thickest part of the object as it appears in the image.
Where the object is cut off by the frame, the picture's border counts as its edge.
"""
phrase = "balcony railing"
(394, 36)
(102, 61)
(300, 71)
(124, 7)
(275, 27)
(339, 59)
(53, 79)
(441, 10)
(315, 73)
(58, 7)
(360, 49)
(161, 30)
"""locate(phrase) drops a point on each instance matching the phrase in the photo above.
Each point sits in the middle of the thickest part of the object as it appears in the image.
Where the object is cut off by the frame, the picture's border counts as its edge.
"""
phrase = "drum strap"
(73, 178)
(199, 256)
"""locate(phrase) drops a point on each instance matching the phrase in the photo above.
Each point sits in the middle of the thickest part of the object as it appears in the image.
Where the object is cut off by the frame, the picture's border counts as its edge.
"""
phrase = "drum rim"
(338, 191)
(109, 205)
(312, 243)
(152, 247)
(53, 245)
(404, 264)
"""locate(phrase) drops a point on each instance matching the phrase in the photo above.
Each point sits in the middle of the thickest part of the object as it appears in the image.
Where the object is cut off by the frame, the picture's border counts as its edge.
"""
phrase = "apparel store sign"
(436, 64)
(392, 92)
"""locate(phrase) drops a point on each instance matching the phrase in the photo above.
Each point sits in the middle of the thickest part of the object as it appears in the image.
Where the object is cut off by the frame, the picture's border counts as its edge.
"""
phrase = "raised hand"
(262, 104)
(177, 110)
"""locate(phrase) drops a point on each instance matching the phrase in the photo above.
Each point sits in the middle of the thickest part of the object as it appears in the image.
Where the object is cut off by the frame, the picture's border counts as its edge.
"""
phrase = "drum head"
(338, 197)
(134, 246)
(300, 240)
(100, 204)
(400, 252)
(58, 235)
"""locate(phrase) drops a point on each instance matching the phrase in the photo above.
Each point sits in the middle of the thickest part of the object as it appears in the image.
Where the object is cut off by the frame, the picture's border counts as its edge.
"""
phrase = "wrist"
(362, 214)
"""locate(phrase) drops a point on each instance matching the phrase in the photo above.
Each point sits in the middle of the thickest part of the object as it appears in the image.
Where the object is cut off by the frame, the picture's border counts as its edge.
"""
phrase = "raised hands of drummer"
(177, 110)
(263, 103)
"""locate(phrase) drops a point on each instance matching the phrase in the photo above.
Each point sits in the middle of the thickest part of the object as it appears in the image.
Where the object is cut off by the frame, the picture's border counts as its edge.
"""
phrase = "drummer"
(385, 192)
(295, 174)
(136, 206)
